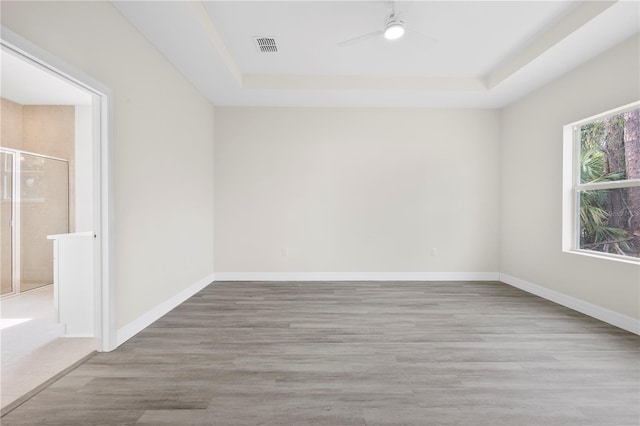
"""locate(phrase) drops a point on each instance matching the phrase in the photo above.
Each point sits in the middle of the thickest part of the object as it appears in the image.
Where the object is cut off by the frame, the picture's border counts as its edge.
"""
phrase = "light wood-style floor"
(344, 353)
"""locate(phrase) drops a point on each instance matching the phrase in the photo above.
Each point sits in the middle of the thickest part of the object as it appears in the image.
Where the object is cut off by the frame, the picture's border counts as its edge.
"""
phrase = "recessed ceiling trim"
(214, 36)
(583, 14)
(306, 82)
(567, 37)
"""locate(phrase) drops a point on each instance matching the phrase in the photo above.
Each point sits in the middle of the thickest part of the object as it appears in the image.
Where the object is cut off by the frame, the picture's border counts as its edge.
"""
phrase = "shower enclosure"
(34, 198)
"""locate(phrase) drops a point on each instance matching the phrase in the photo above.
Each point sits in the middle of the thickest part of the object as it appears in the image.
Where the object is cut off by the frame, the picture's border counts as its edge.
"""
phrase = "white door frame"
(105, 331)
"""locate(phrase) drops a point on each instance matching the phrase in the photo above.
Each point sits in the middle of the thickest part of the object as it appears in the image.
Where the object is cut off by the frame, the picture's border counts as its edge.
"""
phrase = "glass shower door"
(34, 203)
(44, 210)
(6, 222)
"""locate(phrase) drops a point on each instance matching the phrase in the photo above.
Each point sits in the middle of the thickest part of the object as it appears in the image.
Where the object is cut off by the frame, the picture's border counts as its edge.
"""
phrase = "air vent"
(266, 44)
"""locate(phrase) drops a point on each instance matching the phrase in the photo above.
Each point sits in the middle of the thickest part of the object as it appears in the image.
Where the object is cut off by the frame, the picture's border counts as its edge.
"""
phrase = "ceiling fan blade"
(428, 38)
(359, 38)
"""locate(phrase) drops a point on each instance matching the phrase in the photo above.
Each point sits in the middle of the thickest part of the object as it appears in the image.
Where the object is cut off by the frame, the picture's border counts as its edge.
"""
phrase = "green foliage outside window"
(610, 218)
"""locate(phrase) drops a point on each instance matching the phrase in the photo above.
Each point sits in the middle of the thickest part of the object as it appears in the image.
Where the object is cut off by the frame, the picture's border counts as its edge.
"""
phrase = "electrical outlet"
(434, 252)
(284, 252)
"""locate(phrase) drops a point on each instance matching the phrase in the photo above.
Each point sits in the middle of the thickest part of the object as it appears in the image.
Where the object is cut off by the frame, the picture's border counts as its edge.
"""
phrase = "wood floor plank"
(356, 353)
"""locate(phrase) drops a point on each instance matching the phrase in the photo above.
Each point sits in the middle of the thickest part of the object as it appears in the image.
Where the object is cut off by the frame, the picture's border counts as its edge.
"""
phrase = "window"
(601, 211)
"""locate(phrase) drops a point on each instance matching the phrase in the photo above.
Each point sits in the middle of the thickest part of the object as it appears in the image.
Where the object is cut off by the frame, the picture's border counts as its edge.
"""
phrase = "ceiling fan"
(394, 28)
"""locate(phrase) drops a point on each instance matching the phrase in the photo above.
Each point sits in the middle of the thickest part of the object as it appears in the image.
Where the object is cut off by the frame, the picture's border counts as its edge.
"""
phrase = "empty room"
(339, 212)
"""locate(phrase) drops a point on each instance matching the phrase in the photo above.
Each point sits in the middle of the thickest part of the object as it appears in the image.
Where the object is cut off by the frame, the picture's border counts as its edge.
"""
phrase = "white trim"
(358, 82)
(594, 186)
(357, 276)
(45, 60)
(569, 212)
(84, 234)
(582, 15)
(201, 14)
(103, 217)
(607, 256)
(128, 331)
(603, 314)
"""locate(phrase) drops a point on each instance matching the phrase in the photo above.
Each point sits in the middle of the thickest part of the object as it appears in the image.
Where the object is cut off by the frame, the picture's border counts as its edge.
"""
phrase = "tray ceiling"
(455, 54)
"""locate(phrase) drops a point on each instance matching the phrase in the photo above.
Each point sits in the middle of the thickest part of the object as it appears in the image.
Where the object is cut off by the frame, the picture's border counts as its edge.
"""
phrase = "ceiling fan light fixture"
(394, 30)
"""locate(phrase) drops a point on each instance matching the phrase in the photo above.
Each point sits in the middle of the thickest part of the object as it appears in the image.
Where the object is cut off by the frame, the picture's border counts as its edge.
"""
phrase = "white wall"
(163, 148)
(531, 246)
(356, 190)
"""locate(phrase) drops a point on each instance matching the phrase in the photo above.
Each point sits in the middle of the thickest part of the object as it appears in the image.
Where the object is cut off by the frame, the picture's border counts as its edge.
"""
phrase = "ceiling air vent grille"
(266, 44)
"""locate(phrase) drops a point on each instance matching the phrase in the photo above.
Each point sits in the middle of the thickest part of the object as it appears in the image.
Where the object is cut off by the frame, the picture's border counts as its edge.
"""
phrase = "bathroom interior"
(45, 189)
(36, 155)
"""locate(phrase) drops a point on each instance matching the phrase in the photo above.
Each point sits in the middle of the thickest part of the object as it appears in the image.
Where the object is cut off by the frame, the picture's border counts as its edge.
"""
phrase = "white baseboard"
(614, 318)
(128, 331)
(357, 276)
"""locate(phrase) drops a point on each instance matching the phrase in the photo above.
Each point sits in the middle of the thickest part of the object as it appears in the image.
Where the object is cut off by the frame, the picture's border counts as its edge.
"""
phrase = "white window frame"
(572, 187)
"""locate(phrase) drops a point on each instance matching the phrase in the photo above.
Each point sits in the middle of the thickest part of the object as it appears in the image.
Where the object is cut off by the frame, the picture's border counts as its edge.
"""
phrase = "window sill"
(612, 257)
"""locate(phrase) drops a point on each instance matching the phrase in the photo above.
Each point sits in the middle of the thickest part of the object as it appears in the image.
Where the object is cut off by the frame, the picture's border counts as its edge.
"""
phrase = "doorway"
(34, 183)
(96, 168)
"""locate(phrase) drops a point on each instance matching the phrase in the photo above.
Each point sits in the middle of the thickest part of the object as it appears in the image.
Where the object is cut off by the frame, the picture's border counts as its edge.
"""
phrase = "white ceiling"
(308, 34)
(460, 54)
(27, 84)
